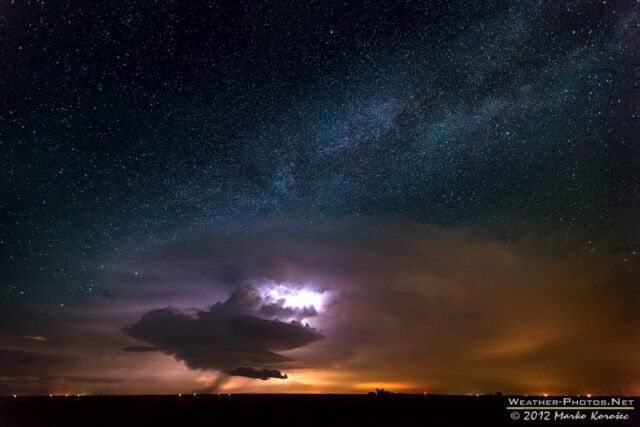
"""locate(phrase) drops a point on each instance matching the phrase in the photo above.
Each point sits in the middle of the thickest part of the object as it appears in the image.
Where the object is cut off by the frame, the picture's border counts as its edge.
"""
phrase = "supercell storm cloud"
(230, 335)
(320, 196)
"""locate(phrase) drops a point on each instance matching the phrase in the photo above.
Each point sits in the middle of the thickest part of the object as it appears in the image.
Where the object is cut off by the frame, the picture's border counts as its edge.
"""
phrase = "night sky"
(319, 196)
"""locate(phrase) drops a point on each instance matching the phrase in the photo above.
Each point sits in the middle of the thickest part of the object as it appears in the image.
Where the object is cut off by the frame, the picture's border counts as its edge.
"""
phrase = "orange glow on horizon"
(390, 386)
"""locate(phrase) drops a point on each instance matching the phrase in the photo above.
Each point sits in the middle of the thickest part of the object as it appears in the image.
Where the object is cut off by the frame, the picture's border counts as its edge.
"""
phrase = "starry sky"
(319, 196)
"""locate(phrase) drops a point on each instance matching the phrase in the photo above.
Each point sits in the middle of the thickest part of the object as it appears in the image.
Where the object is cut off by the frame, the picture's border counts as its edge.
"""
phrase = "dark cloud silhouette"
(263, 374)
(424, 307)
(140, 348)
(277, 310)
(248, 300)
(396, 285)
(231, 336)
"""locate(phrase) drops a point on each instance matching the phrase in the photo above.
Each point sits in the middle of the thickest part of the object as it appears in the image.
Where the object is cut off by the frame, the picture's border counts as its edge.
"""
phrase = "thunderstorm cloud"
(230, 336)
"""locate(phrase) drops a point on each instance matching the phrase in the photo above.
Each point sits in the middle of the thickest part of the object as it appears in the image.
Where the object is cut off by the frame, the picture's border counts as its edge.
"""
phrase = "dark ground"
(274, 409)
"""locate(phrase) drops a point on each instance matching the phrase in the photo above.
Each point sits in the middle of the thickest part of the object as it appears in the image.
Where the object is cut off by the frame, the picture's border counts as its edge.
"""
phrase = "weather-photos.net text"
(570, 408)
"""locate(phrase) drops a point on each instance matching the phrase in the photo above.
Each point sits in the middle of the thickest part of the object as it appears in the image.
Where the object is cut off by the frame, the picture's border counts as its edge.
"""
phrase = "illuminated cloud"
(158, 157)
(401, 302)
(407, 306)
(231, 336)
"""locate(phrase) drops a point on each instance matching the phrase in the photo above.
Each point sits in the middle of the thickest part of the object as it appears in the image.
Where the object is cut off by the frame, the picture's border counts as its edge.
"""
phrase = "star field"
(126, 126)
